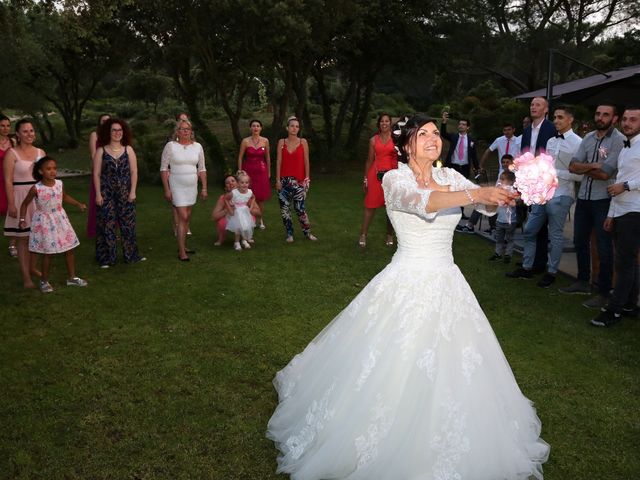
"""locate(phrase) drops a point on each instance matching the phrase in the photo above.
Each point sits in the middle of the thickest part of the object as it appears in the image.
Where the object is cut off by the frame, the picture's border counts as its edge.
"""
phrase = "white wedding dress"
(408, 382)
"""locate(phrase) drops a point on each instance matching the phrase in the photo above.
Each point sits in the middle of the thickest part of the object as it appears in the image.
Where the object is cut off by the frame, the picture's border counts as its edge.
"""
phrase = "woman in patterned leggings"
(292, 179)
(115, 177)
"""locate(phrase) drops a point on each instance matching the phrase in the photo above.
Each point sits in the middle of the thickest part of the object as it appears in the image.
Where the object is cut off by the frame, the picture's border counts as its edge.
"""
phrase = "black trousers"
(626, 238)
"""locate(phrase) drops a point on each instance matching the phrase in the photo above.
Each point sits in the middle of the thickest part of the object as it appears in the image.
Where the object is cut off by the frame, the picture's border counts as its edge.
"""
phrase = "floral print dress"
(51, 231)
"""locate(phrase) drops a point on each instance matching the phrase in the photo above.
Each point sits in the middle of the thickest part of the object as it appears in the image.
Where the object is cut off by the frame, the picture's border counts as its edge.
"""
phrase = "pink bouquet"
(536, 178)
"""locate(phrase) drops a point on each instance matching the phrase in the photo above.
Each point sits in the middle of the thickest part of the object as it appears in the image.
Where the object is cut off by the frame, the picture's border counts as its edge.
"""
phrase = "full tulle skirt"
(408, 382)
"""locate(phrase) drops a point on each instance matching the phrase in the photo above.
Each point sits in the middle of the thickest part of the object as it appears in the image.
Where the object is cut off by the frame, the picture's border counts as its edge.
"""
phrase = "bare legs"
(46, 267)
(368, 217)
(176, 220)
(70, 260)
(184, 214)
(27, 263)
(259, 221)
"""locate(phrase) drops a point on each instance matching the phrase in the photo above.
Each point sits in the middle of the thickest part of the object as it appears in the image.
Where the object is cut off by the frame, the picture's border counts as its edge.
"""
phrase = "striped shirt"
(604, 150)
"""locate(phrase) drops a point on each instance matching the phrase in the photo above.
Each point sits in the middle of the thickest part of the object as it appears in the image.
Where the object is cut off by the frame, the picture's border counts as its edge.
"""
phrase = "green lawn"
(162, 370)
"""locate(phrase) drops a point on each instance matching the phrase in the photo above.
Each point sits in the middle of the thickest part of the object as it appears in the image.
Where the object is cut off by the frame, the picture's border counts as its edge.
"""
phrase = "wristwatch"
(626, 186)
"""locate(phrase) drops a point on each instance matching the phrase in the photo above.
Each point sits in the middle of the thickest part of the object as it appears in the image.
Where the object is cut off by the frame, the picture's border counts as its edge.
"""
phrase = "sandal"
(13, 251)
(363, 241)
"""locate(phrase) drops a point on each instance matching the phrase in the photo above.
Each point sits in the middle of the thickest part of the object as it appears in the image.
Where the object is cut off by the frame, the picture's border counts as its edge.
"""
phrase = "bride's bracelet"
(469, 196)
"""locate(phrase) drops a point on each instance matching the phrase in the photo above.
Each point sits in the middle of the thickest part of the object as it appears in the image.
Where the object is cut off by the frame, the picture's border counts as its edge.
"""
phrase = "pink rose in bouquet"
(536, 178)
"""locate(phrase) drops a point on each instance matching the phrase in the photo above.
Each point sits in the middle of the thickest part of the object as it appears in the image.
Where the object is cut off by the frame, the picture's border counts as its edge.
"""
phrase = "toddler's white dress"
(241, 221)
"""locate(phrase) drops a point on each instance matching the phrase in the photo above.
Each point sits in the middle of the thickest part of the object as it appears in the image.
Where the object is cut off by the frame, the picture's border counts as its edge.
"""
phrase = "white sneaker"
(289, 239)
(262, 225)
(76, 282)
(245, 244)
(236, 246)
(45, 287)
(312, 237)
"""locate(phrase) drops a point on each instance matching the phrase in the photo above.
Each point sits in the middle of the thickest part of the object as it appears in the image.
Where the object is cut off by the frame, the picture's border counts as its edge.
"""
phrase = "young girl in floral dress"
(51, 231)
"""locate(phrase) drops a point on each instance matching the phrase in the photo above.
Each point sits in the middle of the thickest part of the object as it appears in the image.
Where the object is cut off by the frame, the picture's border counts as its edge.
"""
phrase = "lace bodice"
(241, 199)
(423, 235)
(183, 159)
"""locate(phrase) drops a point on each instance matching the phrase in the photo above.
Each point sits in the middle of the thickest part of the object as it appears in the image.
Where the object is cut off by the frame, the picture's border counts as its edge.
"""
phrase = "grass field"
(162, 370)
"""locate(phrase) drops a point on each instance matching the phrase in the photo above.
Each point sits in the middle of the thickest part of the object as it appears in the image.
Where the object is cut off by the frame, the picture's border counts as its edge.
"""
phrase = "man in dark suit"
(534, 140)
(462, 148)
(540, 129)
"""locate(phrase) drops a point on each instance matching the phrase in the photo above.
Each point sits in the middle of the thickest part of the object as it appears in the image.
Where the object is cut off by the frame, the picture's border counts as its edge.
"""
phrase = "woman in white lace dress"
(181, 166)
(409, 382)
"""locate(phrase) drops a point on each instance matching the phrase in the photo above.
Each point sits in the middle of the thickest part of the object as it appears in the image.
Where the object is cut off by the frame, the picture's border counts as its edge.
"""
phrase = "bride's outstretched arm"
(477, 196)
(401, 194)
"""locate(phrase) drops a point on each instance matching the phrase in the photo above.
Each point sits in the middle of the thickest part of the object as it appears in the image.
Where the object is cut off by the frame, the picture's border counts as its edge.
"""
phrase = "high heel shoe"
(363, 241)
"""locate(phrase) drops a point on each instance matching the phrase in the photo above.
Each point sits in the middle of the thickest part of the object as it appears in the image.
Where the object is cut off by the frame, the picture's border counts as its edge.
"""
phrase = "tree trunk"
(357, 121)
(326, 107)
(181, 75)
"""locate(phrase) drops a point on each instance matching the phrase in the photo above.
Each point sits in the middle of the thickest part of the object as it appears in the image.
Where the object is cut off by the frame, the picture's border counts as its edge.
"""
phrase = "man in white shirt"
(623, 220)
(507, 144)
(562, 148)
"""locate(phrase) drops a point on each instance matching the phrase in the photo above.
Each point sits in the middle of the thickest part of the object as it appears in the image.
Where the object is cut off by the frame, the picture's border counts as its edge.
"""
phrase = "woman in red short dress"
(382, 158)
(255, 160)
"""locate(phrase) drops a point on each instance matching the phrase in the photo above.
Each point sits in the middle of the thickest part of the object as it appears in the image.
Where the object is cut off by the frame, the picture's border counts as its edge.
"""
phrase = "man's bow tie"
(627, 144)
(559, 135)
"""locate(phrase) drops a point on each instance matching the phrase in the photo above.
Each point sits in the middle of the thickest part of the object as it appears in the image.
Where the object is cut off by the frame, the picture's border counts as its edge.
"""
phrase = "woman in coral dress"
(382, 158)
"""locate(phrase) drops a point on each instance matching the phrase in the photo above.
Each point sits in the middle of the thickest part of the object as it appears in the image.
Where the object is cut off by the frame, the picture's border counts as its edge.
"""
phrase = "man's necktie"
(461, 148)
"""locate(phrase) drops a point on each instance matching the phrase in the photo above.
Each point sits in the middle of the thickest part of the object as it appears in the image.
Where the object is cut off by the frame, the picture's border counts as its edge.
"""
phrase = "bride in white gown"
(408, 382)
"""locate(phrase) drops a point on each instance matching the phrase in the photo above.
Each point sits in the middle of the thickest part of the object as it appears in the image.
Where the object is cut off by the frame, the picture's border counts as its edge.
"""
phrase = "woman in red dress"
(6, 142)
(255, 160)
(382, 158)
(292, 179)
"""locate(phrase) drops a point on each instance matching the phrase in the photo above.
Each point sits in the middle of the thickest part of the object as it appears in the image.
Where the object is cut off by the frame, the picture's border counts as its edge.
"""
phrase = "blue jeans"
(504, 237)
(554, 212)
(590, 215)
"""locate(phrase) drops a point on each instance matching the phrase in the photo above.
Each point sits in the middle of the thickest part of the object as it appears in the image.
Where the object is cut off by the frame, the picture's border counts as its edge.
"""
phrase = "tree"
(147, 86)
(166, 32)
(78, 43)
(509, 39)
